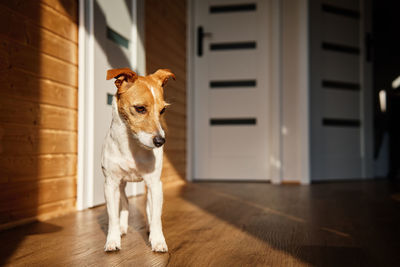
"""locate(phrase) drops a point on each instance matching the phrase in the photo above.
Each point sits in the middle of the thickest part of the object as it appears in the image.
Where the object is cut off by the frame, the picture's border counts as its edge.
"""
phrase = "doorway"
(232, 89)
(109, 38)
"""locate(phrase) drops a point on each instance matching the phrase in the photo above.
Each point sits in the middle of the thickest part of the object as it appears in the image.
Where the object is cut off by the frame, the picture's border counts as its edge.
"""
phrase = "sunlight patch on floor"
(232, 236)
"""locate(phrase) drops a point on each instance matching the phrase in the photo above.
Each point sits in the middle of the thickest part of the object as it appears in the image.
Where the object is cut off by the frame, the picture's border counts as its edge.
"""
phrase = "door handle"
(200, 37)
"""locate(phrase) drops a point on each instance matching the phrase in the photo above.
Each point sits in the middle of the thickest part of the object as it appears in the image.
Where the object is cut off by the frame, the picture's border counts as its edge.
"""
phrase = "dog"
(133, 151)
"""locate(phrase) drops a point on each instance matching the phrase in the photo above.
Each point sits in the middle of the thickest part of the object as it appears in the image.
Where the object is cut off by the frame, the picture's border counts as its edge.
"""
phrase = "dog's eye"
(162, 111)
(140, 109)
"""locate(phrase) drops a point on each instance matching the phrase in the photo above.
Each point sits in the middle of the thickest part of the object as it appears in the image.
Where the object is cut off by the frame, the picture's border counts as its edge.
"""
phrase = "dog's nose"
(158, 141)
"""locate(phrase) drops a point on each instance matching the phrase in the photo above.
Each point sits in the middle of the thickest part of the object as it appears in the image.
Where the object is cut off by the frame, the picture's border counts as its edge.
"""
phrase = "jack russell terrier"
(133, 151)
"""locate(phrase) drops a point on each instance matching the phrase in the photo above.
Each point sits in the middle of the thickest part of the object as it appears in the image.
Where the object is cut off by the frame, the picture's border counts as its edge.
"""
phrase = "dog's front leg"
(124, 215)
(148, 209)
(112, 195)
(156, 237)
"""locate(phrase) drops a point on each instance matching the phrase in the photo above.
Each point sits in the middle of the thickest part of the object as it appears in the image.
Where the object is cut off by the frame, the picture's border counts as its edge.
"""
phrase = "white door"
(232, 89)
(341, 103)
(110, 37)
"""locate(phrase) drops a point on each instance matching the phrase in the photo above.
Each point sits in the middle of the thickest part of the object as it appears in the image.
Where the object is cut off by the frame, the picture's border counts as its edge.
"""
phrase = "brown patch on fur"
(162, 76)
(124, 77)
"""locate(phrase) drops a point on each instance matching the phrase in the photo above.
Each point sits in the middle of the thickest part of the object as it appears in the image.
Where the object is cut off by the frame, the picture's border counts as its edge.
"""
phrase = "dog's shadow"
(137, 219)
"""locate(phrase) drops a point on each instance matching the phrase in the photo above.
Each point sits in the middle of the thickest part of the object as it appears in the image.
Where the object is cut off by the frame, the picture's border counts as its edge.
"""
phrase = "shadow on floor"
(11, 240)
(137, 219)
(336, 224)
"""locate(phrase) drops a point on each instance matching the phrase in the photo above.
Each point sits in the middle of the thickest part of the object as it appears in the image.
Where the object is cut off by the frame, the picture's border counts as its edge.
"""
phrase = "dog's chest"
(137, 164)
(129, 171)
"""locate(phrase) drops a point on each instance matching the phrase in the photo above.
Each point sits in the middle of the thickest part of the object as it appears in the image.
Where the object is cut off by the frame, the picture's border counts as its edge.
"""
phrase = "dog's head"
(141, 104)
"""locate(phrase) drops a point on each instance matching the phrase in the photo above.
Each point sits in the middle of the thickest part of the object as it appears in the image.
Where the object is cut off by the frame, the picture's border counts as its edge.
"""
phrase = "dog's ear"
(162, 75)
(121, 75)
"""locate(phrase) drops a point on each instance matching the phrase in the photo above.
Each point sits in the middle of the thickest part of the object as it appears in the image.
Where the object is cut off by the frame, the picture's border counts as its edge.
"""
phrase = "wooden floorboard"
(230, 224)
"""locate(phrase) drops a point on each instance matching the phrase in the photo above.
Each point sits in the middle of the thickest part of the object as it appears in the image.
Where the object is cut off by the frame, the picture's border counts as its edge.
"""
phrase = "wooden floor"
(230, 224)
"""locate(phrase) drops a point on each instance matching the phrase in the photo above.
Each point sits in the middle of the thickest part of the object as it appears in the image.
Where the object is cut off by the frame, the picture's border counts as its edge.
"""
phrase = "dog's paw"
(124, 229)
(123, 222)
(158, 243)
(159, 246)
(113, 244)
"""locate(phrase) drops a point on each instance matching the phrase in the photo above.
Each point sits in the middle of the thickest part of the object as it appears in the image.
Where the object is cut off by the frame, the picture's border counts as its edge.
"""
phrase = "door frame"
(276, 161)
(85, 106)
(86, 91)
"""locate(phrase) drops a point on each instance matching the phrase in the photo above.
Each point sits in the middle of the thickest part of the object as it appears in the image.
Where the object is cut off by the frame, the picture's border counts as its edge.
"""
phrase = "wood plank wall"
(165, 44)
(38, 109)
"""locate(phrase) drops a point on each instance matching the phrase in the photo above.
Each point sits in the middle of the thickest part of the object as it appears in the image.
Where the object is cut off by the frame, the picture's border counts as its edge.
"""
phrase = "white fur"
(160, 129)
(146, 139)
(152, 92)
(124, 159)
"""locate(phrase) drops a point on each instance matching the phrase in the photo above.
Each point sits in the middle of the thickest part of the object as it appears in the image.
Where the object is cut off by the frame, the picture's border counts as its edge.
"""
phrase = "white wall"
(295, 91)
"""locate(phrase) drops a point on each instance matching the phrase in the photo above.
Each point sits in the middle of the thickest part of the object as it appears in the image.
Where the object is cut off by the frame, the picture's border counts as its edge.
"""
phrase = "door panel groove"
(229, 84)
(233, 121)
(117, 38)
(229, 46)
(341, 48)
(233, 8)
(341, 85)
(340, 122)
(341, 11)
